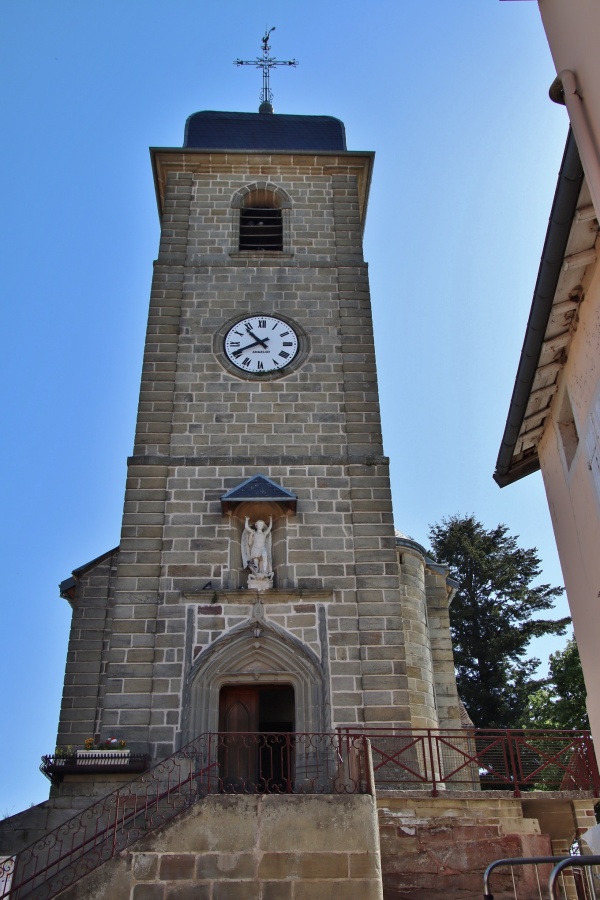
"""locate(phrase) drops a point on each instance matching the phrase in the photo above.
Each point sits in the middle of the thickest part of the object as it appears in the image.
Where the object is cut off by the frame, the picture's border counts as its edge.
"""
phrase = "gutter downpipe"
(584, 136)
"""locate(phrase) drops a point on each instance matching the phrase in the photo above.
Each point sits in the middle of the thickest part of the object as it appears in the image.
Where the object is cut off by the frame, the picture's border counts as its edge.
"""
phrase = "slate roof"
(210, 130)
(67, 587)
(258, 487)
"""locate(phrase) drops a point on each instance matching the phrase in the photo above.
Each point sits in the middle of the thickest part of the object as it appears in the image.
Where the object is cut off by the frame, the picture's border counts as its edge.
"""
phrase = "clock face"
(261, 344)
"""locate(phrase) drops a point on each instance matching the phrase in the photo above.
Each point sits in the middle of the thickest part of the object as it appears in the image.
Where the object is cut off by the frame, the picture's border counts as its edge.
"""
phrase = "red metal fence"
(474, 758)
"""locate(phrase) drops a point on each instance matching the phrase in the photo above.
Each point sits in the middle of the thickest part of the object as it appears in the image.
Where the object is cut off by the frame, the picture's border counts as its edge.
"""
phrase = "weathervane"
(266, 63)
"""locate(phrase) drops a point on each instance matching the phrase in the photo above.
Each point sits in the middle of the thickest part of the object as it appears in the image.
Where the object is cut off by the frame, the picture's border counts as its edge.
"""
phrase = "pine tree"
(492, 617)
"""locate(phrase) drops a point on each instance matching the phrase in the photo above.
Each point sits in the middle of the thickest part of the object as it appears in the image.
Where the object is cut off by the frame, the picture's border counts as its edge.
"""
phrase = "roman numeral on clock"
(284, 353)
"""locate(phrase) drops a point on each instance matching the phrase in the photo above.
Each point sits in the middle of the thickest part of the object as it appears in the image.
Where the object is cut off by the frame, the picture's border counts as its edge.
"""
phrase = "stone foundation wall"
(273, 847)
(250, 848)
(439, 847)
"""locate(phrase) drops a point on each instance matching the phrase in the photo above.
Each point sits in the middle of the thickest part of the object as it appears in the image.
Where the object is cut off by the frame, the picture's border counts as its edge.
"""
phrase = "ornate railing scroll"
(7, 868)
(232, 763)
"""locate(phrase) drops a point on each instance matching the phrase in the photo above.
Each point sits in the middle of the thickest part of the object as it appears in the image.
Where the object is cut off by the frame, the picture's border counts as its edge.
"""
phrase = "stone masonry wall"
(439, 847)
(438, 618)
(86, 654)
(202, 429)
(417, 639)
(248, 848)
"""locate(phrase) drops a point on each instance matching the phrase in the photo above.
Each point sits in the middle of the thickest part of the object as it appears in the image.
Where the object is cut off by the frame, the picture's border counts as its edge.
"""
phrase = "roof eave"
(68, 586)
(570, 179)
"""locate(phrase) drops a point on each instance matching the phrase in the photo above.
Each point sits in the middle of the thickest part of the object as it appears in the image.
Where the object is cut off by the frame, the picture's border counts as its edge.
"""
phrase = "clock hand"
(257, 340)
(239, 352)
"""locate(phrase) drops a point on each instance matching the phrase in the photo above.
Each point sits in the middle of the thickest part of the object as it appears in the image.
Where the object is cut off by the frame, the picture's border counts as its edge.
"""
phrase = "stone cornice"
(332, 162)
(261, 462)
(243, 595)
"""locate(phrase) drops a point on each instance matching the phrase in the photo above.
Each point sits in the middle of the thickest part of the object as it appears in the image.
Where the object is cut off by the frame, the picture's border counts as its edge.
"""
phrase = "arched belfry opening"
(263, 218)
(261, 222)
(279, 681)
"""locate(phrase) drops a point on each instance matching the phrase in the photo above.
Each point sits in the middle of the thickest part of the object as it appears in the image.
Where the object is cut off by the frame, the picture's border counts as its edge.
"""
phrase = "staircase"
(312, 763)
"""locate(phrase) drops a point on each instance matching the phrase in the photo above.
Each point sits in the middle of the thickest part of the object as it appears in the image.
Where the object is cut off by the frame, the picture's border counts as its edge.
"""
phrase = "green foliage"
(493, 617)
(67, 751)
(560, 702)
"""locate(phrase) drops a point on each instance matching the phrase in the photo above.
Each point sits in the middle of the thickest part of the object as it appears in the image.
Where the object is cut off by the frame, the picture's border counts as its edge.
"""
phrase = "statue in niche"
(256, 554)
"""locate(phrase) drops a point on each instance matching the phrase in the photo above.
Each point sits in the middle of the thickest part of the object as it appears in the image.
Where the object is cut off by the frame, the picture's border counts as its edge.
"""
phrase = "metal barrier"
(476, 758)
(559, 865)
(230, 763)
(517, 861)
(583, 861)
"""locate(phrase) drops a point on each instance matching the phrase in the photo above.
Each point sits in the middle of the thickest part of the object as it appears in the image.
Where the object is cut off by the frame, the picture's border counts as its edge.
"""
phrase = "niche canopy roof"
(259, 487)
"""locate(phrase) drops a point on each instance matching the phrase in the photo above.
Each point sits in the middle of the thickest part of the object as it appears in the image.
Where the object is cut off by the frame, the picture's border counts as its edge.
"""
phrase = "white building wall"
(574, 493)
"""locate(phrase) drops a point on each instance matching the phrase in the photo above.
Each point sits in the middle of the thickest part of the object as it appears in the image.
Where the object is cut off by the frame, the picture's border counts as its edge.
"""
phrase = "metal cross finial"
(266, 63)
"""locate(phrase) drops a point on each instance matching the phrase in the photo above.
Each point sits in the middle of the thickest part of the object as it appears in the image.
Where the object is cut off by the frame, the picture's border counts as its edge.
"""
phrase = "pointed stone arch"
(240, 657)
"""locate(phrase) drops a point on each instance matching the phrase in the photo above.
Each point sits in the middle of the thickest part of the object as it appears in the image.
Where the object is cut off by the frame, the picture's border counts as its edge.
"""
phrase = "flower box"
(93, 762)
(102, 757)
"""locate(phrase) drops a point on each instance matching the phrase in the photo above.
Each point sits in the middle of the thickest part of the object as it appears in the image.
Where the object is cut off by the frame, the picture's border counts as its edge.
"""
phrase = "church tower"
(258, 424)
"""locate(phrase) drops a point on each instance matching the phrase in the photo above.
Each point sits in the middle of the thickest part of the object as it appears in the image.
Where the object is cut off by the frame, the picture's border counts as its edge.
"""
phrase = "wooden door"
(256, 754)
(239, 749)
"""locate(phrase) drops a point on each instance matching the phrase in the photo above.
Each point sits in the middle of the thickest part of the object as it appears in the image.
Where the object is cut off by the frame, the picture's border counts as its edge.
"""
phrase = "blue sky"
(453, 99)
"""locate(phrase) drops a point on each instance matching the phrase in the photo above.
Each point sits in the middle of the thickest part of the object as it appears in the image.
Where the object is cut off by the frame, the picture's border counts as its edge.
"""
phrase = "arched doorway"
(255, 727)
(276, 658)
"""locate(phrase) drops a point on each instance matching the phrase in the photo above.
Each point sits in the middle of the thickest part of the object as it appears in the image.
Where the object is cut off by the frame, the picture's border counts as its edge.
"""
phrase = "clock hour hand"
(239, 352)
(257, 340)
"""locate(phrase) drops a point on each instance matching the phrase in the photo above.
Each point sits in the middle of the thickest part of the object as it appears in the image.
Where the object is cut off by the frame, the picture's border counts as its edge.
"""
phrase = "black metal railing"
(232, 763)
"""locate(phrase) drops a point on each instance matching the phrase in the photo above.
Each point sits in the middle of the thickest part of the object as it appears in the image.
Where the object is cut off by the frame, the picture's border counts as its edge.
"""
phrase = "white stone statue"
(256, 554)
